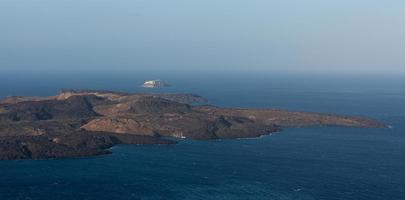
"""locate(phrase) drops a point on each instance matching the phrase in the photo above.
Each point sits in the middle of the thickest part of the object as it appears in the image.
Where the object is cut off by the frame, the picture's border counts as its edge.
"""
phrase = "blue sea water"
(327, 163)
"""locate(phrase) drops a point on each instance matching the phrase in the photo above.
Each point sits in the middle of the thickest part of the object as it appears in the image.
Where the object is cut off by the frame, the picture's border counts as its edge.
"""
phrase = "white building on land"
(154, 84)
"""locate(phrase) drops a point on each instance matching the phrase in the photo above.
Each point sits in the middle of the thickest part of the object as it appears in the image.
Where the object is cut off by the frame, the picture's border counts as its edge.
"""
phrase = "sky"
(332, 36)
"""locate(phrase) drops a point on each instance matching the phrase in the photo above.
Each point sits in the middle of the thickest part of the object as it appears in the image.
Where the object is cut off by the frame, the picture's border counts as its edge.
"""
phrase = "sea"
(313, 163)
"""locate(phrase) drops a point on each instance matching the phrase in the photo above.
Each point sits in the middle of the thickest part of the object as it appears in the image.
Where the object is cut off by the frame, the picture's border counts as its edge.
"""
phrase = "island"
(78, 123)
(154, 84)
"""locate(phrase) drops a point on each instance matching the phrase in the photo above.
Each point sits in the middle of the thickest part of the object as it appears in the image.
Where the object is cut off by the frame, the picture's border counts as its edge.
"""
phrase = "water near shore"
(310, 163)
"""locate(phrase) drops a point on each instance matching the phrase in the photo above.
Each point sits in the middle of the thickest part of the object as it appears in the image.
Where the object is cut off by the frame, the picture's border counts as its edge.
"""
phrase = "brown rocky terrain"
(86, 122)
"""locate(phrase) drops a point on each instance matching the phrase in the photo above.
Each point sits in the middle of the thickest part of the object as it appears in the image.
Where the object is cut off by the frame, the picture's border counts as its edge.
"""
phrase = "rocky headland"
(85, 122)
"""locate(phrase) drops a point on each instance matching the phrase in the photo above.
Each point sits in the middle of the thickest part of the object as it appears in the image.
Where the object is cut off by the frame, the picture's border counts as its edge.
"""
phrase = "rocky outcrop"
(285, 118)
(119, 125)
(76, 107)
(84, 123)
(77, 144)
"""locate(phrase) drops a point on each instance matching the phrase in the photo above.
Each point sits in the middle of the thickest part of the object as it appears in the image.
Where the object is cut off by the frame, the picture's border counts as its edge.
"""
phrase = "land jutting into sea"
(78, 123)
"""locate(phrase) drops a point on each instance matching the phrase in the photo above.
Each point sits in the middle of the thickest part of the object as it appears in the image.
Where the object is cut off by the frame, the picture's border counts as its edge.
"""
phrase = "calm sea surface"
(310, 163)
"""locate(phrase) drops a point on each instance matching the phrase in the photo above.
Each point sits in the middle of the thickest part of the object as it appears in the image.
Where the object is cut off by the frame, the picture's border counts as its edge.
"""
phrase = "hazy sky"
(262, 35)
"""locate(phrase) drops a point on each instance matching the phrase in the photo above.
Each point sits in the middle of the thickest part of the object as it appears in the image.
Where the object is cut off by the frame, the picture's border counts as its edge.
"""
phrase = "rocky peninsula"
(86, 122)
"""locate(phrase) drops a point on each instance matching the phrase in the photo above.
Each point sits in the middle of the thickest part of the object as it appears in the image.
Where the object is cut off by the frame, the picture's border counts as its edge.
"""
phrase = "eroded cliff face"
(83, 123)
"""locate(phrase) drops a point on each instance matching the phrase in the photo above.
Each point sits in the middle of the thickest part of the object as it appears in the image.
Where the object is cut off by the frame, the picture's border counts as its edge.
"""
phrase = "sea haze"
(306, 163)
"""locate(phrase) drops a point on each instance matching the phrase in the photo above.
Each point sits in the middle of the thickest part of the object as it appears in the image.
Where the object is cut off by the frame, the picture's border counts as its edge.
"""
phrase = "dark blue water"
(309, 163)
